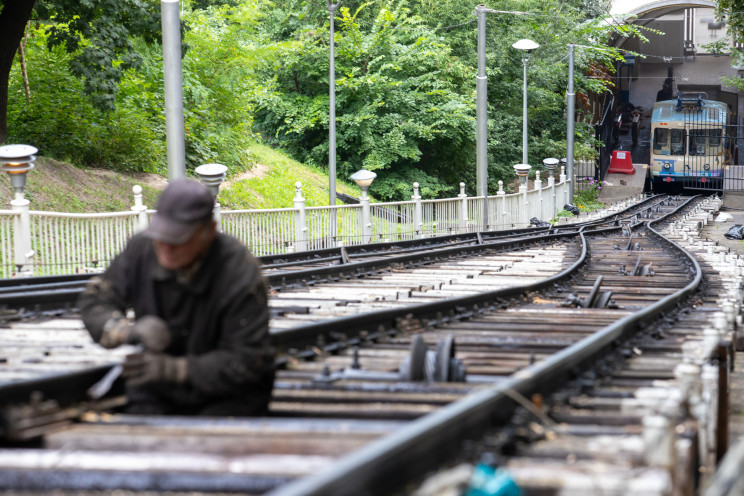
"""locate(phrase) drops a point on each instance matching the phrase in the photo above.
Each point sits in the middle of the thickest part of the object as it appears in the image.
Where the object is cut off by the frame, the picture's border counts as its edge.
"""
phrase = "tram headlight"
(706, 166)
(667, 166)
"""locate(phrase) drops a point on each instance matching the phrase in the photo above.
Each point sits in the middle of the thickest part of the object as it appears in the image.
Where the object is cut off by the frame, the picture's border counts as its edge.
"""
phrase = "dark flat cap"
(183, 206)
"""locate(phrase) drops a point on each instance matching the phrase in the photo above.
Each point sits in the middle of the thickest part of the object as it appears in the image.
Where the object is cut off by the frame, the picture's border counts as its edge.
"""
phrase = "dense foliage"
(732, 11)
(255, 70)
(405, 105)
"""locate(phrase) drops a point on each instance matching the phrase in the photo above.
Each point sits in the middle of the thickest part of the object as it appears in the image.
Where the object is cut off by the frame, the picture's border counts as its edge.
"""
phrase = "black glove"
(144, 368)
(150, 331)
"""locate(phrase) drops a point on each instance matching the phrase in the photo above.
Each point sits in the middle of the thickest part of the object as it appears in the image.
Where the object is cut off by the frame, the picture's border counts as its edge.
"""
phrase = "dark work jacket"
(218, 319)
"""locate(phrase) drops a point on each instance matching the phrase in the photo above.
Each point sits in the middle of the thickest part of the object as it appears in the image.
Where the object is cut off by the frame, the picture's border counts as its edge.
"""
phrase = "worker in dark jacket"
(195, 300)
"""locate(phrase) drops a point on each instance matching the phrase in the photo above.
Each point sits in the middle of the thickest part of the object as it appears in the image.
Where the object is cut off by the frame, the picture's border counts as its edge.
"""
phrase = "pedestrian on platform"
(194, 299)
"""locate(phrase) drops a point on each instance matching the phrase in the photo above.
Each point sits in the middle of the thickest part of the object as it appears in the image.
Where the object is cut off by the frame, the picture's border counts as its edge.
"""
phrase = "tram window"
(661, 139)
(697, 142)
(715, 137)
(678, 142)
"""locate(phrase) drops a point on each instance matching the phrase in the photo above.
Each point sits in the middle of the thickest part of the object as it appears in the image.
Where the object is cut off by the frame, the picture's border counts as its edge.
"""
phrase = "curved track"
(352, 383)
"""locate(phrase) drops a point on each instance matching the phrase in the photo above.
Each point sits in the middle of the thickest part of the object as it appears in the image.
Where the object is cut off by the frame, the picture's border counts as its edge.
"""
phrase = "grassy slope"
(61, 187)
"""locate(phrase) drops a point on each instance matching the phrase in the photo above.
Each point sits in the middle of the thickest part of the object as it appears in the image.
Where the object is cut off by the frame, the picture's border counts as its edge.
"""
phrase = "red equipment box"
(621, 163)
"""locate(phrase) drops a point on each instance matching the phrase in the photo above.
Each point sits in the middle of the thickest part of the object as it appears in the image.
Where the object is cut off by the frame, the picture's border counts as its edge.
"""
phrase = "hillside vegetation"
(270, 183)
(90, 91)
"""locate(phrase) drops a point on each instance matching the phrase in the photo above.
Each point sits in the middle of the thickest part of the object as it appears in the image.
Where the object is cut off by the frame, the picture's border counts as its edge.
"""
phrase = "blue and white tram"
(689, 143)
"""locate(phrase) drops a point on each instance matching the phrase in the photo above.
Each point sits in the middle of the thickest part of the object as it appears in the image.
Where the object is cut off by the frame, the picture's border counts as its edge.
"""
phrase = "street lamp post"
(526, 46)
(332, 112)
(570, 111)
(173, 87)
(333, 226)
(550, 165)
(481, 115)
(17, 160)
(364, 179)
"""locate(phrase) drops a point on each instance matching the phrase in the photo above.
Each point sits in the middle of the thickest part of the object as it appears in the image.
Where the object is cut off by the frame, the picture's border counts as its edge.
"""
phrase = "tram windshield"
(661, 140)
(678, 142)
(669, 141)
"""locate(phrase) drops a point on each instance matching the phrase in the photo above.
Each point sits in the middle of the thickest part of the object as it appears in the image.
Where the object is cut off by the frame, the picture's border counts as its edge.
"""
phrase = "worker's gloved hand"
(116, 332)
(145, 368)
(150, 331)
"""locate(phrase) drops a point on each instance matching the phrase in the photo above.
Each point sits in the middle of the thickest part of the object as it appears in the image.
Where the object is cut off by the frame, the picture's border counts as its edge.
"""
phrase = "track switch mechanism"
(596, 298)
(638, 270)
(441, 365)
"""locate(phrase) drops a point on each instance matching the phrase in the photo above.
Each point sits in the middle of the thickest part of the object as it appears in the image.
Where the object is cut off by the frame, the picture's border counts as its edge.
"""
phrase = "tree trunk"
(24, 70)
(13, 18)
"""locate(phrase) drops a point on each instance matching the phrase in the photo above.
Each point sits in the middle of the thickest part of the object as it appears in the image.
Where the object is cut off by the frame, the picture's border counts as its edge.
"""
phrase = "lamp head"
(212, 175)
(550, 164)
(526, 46)
(522, 170)
(363, 178)
(17, 160)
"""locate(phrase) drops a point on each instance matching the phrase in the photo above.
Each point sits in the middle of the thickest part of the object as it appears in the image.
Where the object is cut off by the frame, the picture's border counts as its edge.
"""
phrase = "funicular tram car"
(690, 145)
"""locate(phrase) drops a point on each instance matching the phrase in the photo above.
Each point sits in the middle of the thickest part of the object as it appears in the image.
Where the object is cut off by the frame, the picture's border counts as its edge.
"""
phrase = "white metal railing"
(7, 219)
(73, 243)
(62, 243)
(264, 231)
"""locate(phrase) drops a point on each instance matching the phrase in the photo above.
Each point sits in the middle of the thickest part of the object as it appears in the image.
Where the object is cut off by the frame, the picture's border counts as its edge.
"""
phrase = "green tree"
(220, 84)
(405, 106)
(296, 115)
(733, 12)
(97, 32)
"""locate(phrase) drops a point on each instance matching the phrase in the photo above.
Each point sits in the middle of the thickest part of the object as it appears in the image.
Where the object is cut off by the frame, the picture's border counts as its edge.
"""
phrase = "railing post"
(562, 179)
(502, 195)
(366, 224)
(300, 226)
(538, 187)
(523, 171)
(139, 209)
(22, 236)
(550, 164)
(463, 223)
(418, 223)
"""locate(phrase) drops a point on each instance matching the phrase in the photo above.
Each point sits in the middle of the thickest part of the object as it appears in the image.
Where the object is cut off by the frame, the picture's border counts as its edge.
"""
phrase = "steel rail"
(433, 312)
(308, 335)
(63, 293)
(64, 289)
(413, 450)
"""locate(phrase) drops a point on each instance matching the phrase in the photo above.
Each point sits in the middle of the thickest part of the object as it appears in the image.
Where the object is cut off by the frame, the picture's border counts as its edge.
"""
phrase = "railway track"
(399, 383)
(41, 293)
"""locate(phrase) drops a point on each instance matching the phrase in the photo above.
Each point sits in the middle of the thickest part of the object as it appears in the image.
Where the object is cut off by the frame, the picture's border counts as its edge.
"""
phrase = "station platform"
(619, 186)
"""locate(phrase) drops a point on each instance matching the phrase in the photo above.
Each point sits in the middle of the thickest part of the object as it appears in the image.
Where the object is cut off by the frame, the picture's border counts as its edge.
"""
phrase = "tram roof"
(711, 111)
